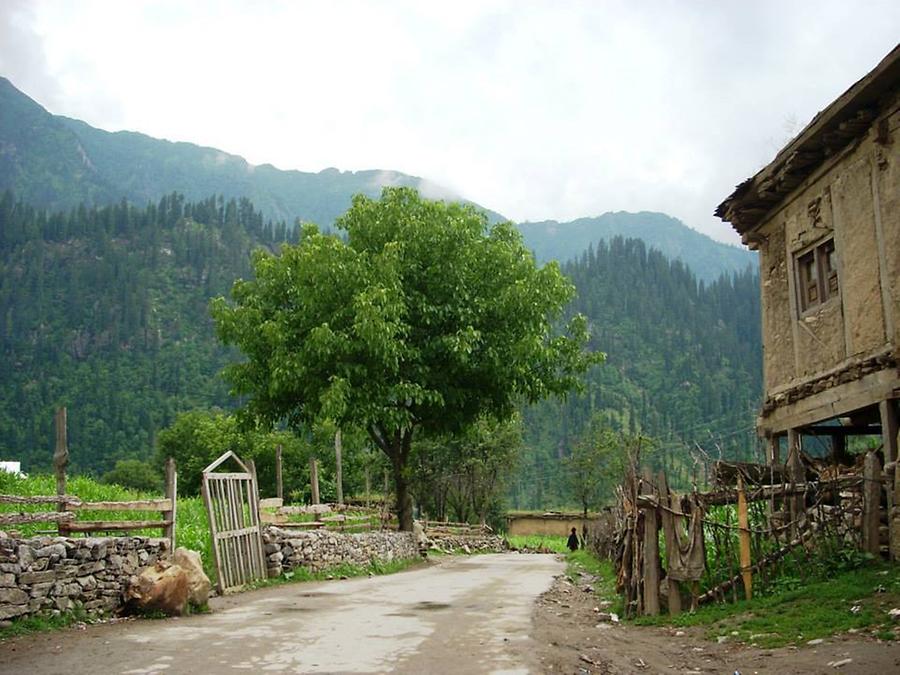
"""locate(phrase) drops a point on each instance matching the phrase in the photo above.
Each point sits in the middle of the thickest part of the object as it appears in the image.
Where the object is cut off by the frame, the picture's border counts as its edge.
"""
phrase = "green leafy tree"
(422, 319)
(134, 474)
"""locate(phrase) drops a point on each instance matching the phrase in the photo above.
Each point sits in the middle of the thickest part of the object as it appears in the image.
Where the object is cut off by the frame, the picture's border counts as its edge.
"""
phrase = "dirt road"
(464, 615)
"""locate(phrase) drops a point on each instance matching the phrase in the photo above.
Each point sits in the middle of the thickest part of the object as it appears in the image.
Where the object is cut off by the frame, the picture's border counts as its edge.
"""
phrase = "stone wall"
(468, 543)
(317, 550)
(54, 574)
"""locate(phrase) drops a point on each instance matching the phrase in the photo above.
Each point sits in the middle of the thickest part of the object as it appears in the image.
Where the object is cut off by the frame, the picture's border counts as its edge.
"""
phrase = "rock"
(894, 614)
(162, 588)
(815, 642)
(840, 664)
(198, 582)
(13, 596)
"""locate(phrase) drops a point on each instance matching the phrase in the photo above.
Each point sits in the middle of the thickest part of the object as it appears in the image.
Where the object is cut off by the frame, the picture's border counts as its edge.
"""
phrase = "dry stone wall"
(467, 543)
(55, 574)
(319, 550)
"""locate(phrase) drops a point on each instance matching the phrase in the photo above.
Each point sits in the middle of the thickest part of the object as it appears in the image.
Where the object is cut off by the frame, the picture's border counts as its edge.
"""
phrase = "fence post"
(338, 477)
(279, 485)
(314, 479)
(651, 550)
(796, 474)
(889, 423)
(60, 461)
(744, 524)
(871, 503)
(171, 495)
(670, 522)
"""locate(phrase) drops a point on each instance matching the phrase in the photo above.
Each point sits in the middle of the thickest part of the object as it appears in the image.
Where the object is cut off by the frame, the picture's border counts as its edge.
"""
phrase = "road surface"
(463, 615)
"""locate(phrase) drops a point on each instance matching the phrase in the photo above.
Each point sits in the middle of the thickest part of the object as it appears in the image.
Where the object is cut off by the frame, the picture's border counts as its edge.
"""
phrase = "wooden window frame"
(816, 274)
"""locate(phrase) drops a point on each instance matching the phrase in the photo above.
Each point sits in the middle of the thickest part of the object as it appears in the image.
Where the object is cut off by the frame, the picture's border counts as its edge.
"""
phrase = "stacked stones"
(317, 550)
(55, 574)
(467, 543)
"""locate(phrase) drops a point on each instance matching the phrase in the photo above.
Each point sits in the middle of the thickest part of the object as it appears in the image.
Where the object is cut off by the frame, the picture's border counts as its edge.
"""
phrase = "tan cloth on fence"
(685, 550)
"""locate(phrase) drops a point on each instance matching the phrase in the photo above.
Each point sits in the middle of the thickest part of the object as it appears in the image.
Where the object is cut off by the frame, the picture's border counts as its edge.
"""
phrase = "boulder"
(162, 587)
(198, 582)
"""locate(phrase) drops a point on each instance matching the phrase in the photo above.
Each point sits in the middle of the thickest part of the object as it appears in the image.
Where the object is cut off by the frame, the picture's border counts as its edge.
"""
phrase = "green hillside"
(105, 310)
(707, 258)
(54, 162)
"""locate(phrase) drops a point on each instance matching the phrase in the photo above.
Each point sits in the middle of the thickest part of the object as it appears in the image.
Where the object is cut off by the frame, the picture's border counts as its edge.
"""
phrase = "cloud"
(535, 110)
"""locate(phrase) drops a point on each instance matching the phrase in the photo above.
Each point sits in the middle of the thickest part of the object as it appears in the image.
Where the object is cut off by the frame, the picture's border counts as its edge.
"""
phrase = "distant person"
(573, 541)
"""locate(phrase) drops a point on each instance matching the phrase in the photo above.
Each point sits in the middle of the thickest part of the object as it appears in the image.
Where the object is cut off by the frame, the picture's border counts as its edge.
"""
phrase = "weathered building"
(824, 215)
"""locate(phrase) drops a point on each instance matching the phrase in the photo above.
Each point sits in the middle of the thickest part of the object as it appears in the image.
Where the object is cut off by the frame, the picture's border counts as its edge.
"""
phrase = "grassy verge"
(535, 542)
(852, 600)
(45, 623)
(604, 571)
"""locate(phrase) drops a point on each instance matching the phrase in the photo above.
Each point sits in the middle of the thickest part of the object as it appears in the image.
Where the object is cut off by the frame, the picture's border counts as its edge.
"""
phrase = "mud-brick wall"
(319, 550)
(55, 574)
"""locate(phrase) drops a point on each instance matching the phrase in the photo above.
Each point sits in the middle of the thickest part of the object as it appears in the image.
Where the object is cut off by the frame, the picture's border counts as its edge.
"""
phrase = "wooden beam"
(314, 479)
(137, 505)
(60, 461)
(338, 463)
(651, 550)
(39, 517)
(744, 535)
(796, 474)
(116, 525)
(170, 512)
(67, 500)
(871, 503)
(279, 483)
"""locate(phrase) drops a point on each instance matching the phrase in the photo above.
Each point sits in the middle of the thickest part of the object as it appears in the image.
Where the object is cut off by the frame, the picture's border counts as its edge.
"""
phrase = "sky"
(537, 110)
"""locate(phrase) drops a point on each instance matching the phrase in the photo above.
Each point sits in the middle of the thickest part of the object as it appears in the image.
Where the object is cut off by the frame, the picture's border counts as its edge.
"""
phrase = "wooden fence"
(68, 506)
(719, 544)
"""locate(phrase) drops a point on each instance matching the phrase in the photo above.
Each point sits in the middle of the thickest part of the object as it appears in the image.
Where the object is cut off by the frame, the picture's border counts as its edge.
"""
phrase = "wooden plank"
(871, 503)
(314, 479)
(67, 500)
(744, 535)
(115, 525)
(137, 505)
(674, 591)
(171, 513)
(213, 530)
(39, 517)
(651, 551)
(279, 484)
(60, 461)
(225, 477)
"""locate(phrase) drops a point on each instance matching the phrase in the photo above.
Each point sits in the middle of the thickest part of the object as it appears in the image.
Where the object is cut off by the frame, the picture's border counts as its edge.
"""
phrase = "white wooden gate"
(232, 504)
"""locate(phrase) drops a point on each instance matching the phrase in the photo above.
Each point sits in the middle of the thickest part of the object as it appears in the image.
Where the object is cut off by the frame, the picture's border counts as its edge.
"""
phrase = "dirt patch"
(572, 638)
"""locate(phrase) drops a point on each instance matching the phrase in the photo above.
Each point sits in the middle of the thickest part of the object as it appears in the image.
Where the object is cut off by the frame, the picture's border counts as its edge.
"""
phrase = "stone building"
(824, 215)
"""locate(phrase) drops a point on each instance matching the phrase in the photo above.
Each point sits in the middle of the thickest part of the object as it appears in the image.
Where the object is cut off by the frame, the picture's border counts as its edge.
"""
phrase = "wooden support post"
(667, 499)
(651, 550)
(60, 461)
(744, 525)
(888, 413)
(172, 496)
(796, 474)
(871, 503)
(279, 483)
(338, 470)
(368, 485)
(773, 450)
(314, 479)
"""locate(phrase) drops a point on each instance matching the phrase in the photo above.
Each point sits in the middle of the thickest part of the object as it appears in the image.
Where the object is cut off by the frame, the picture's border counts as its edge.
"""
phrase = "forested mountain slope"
(709, 259)
(684, 364)
(54, 162)
(105, 311)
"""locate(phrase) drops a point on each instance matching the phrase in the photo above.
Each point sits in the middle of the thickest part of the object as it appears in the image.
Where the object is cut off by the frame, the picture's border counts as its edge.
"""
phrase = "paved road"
(464, 615)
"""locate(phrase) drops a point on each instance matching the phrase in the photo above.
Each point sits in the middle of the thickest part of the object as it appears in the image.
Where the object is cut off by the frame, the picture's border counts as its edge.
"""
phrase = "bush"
(134, 474)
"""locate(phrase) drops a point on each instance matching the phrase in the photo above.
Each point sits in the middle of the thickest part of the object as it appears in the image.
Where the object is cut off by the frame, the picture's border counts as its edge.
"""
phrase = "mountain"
(54, 162)
(551, 240)
(104, 310)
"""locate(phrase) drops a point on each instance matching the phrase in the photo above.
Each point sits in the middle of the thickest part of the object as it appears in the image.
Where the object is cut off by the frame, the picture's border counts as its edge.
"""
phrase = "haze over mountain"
(55, 162)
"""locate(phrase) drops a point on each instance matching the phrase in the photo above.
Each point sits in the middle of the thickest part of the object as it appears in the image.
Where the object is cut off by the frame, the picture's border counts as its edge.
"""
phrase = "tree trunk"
(397, 447)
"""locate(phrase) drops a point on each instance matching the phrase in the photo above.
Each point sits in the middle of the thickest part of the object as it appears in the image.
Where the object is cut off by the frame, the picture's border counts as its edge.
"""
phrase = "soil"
(571, 639)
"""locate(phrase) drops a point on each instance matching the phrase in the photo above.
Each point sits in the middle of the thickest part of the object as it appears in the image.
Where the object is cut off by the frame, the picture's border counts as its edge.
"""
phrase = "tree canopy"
(422, 318)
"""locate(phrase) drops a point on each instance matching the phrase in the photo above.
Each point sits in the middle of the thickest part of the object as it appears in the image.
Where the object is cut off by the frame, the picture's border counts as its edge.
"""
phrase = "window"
(817, 277)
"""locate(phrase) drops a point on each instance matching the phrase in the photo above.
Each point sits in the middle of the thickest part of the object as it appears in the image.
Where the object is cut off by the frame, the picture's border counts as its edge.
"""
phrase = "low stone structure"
(55, 574)
(318, 550)
(468, 543)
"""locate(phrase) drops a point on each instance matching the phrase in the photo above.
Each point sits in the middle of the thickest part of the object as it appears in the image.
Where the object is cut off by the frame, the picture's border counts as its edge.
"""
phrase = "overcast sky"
(537, 110)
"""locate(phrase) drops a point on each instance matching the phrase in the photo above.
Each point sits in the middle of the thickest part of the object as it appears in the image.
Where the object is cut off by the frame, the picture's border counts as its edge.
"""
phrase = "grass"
(538, 542)
(47, 622)
(851, 600)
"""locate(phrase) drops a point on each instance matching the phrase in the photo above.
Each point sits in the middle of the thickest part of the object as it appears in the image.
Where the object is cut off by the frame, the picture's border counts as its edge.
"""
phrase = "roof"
(845, 120)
